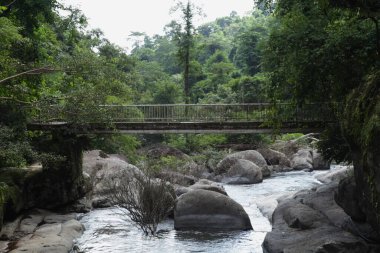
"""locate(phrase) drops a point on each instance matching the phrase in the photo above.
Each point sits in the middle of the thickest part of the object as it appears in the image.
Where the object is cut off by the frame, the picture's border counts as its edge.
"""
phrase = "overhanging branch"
(36, 71)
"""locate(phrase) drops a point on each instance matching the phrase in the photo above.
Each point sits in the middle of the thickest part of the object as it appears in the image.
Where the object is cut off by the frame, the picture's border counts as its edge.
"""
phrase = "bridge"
(186, 118)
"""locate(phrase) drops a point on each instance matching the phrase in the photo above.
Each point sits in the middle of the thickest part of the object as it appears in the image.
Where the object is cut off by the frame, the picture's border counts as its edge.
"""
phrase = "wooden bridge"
(186, 118)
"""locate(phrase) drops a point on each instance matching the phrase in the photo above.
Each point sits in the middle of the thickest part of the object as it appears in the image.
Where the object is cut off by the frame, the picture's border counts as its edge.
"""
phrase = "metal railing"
(254, 112)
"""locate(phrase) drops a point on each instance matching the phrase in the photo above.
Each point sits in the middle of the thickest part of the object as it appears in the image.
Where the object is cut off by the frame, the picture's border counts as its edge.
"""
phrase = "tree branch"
(8, 5)
(36, 71)
(14, 99)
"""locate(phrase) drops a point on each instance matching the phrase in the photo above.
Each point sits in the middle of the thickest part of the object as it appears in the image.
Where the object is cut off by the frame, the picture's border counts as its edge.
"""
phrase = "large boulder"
(209, 210)
(274, 157)
(250, 155)
(312, 222)
(103, 169)
(302, 160)
(243, 172)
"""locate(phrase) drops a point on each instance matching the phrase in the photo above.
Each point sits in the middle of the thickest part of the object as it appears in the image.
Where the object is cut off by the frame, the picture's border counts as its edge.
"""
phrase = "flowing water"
(108, 230)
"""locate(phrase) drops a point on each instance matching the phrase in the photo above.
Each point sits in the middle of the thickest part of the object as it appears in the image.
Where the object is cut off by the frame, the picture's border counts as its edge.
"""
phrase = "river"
(108, 230)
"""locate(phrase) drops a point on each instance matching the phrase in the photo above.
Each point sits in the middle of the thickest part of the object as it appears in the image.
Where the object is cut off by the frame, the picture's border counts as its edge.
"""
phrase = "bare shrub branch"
(145, 200)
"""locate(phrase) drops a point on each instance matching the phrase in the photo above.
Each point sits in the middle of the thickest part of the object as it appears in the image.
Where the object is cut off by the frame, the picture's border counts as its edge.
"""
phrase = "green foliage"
(248, 54)
(169, 163)
(194, 142)
(289, 137)
(117, 144)
(316, 56)
(14, 151)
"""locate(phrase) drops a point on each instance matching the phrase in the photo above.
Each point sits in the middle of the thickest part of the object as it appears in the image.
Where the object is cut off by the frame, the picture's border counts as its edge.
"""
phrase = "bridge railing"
(254, 112)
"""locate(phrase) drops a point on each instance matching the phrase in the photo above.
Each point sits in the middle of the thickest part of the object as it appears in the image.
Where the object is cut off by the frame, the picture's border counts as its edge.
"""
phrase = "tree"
(184, 37)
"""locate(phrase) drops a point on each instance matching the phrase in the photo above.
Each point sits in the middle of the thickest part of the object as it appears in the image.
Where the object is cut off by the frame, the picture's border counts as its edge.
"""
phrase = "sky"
(118, 18)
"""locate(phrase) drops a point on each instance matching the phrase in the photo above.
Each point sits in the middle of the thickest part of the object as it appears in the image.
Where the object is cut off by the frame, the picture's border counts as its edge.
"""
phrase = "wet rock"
(302, 160)
(243, 172)
(209, 210)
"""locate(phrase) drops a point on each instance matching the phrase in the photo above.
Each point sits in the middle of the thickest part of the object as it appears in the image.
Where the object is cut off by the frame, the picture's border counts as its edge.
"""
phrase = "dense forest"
(286, 50)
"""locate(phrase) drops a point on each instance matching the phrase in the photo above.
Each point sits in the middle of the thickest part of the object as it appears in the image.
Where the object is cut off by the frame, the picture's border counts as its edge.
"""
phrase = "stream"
(108, 230)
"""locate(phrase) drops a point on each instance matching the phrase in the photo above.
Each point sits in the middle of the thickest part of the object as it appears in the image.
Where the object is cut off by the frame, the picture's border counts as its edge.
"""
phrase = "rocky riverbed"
(230, 204)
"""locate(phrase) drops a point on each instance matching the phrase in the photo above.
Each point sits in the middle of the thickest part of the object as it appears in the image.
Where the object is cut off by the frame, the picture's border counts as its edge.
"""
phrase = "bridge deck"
(183, 127)
(181, 118)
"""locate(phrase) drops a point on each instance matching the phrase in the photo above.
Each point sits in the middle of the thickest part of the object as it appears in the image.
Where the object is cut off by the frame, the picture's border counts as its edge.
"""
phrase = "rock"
(312, 222)
(208, 210)
(302, 160)
(177, 178)
(208, 185)
(347, 198)
(335, 175)
(302, 216)
(278, 168)
(243, 172)
(179, 190)
(59, 218)
(250, 155)
(319, 162)
(9, 229)
(274, 157)
(54, 238)
(30, 222)
(102, 170)
(157, 151)
(266, 171)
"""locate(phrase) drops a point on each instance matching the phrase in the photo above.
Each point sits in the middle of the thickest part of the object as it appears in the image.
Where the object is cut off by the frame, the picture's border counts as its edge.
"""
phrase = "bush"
(14, 151)
(146, 201)
(117, 144)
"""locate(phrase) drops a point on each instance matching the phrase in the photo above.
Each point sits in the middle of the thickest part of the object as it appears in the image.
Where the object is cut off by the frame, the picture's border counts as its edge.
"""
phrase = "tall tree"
(184, 37)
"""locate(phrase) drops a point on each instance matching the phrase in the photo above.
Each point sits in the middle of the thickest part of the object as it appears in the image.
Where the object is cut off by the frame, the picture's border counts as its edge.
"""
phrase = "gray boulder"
(243, 172)
(102, 169)
(274, 157)
(208, 185)
(209, 210)
(302, 160)
(250, 155)
(312, 222)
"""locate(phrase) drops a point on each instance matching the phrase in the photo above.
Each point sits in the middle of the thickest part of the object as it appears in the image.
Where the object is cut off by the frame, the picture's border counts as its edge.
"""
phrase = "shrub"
(146, 201)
